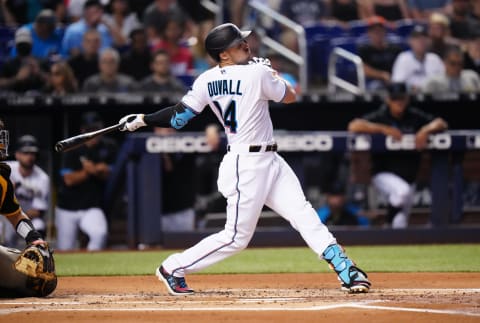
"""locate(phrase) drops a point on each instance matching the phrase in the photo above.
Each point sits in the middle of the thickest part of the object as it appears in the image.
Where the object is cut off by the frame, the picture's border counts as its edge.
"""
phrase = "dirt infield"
(415, 297)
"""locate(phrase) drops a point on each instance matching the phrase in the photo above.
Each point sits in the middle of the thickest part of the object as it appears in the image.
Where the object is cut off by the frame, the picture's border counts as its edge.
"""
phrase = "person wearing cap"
(439, 34)
(456, 79)
(84, 173)
(378, 54)
(416, 65)
(23, 73)
(394, 172)
(46, 39)
(92, 19)
(32, 185)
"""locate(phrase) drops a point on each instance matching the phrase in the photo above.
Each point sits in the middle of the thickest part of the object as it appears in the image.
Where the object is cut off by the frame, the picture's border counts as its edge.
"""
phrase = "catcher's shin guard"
(353, 279)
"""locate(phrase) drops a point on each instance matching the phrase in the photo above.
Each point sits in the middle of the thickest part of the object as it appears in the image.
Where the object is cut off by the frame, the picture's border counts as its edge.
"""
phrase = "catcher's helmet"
(222, 37)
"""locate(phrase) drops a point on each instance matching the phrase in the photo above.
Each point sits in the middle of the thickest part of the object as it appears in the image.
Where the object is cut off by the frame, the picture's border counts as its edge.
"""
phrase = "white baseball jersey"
(239, 96)
(32, 191)
(234, 95)
(407, 68)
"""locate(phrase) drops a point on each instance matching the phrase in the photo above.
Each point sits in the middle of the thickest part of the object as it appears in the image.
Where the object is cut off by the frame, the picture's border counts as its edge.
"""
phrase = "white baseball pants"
(399, 194)
(91, 221)
(249, 181)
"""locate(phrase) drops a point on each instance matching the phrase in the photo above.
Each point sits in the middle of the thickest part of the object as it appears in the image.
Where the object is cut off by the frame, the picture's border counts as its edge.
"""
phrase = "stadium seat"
(357, 28)
(404, 27)
(325, 30)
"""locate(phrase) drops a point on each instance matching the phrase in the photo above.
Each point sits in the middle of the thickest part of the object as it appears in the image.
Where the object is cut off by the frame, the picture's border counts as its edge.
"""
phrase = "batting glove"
(260, 60)
(132, 122)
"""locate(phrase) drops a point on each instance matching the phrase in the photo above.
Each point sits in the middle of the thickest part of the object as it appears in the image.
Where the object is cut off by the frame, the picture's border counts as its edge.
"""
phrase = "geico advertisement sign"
(440, 141)
(181, 144)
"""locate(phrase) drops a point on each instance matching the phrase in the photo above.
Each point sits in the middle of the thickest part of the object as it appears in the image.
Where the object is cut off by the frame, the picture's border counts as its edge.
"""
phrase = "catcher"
(31, 272)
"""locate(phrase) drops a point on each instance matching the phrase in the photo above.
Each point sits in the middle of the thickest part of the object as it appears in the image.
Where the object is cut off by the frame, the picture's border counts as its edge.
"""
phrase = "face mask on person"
(24, 49)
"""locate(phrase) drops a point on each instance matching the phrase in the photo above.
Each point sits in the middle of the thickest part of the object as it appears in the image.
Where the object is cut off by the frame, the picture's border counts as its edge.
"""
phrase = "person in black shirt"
(84, 173)
(393, 173)
(472, 54)
(134, 62)
(378, 55)
(85, 64)
(161, 80)
(23, 73)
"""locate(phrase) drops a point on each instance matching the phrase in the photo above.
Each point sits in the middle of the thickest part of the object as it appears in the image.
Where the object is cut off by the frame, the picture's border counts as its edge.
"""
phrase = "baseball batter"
(251, 174)
(27, 273)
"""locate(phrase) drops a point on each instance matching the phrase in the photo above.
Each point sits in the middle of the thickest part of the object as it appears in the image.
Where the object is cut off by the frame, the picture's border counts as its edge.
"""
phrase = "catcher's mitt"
(37, 263)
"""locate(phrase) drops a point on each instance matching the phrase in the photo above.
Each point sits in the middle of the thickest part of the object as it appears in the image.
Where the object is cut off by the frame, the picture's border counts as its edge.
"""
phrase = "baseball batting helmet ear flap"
(223, 37)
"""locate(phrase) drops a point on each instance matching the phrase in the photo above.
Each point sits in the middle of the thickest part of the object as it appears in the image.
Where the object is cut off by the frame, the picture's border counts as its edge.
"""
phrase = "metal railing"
(299, 59)
(335, 81)
(253, 6)
(215, 7)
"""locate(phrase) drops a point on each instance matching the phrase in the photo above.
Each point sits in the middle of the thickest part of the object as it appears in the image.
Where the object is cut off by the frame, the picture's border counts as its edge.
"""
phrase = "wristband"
(26, 230)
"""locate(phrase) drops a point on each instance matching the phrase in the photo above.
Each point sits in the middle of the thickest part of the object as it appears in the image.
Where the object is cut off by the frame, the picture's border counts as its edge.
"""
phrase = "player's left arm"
(434, 126)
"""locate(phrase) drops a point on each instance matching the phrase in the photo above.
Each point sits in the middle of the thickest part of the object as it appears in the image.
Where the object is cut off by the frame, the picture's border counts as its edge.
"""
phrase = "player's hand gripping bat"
(76, 141)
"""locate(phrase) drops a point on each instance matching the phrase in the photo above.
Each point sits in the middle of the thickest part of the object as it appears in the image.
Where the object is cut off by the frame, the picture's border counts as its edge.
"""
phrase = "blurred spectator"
(109, 80)
(456, 78)
(75, 10)
(92, 19)
(337, 210)
(32, 186)
(439, 33)
(156, 16)
(161, 80)
(177, 173)
(18, 11)
(472, 53)
(202, 21)
(345, 11)
(304, 12)
(22, 73)
(6, 17)
(62, 81)
(208, 199)
(85, 64)
(415, 66)
(378, 55)
(134, 61)
(84, 173)
(46, 39)
(421, 10)
(394, 172)
(120, 21)
(391, 10)
(172, 41)
(462, 21)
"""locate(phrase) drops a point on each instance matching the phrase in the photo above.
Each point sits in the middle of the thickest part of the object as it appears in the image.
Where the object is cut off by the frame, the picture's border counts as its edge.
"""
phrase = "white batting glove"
(260, 60)
(132, 122)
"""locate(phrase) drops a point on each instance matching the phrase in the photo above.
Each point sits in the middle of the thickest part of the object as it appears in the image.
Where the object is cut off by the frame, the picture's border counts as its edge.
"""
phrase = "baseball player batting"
(251, 174)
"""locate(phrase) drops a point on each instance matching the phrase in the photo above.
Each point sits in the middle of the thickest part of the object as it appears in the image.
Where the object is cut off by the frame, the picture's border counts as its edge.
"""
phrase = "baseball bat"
(76, 141)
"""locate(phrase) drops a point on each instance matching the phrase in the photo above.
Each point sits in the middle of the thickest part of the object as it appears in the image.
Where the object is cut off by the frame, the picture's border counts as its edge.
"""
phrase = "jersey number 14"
(230, 115)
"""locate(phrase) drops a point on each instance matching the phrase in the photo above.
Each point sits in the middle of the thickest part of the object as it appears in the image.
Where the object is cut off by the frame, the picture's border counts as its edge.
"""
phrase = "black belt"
(258, 148)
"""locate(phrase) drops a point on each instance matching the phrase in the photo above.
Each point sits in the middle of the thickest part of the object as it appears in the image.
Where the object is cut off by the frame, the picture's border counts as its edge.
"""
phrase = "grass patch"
(415, 258)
